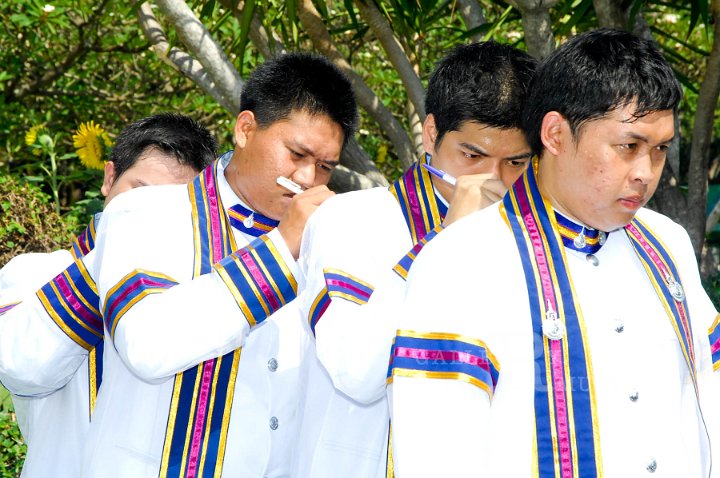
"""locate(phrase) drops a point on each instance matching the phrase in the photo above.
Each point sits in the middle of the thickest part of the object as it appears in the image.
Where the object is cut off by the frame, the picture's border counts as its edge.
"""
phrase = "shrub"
(12, 449)
(28, 222)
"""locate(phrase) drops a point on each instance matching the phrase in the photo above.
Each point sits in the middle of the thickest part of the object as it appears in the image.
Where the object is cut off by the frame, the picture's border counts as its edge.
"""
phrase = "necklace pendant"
(676, 290)
(552, 327)
(602, 237)
(249, 221)
(580, 241)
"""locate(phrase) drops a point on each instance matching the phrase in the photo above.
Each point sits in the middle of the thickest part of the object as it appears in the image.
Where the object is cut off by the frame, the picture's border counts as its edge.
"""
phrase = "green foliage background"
(87, 60)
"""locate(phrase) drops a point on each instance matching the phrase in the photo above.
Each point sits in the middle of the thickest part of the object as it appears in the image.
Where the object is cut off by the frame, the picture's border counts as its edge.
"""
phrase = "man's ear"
(429, 134)
(555, 132)
(245, 125)
(109, 178)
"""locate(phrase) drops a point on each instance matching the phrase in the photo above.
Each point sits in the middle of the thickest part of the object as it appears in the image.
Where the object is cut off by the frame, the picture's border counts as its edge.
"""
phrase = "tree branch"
(205, 49)
(177, 58)
(702, 138)
(537, 25)
(610, 14)
(267, 45)
(53, 73)
(344, 179)
(473, 16)
(384, 33)
(320, 37)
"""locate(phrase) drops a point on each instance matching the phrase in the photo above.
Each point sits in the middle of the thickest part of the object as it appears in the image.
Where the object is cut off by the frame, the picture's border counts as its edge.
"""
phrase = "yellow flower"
(32, 134)
(88, 146)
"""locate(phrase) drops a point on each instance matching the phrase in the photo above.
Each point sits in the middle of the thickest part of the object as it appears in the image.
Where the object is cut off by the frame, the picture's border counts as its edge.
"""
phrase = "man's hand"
(292, 224)
(472, 193)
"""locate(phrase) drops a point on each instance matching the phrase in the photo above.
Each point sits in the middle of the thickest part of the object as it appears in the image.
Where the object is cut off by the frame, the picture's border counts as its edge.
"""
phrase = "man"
(202, 378)
(562, 331)
(54, 404)
(474, 103)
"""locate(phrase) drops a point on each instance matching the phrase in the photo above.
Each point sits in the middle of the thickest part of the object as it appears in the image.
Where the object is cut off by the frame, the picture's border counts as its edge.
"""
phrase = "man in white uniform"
(54, 405)
(474, 103)
(202, 375)
(563, 331)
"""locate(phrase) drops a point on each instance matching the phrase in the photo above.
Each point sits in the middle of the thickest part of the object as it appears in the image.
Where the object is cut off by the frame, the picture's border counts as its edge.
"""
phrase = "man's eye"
(296, 154)
(470, 155)
(629, 146)
(519, 163)
(663, 148)
(325, 167)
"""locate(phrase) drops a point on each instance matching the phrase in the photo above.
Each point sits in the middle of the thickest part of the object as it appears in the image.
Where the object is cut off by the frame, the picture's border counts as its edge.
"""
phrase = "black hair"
(300, 82)
(596, 73)
(173, 134)
(484, 83)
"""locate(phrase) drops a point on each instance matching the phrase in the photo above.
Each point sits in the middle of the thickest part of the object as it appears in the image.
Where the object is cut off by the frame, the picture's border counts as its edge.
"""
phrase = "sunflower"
(32, 134)
(88, 146)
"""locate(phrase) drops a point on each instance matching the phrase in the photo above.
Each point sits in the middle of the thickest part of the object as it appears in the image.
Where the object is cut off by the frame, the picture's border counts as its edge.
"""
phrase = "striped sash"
(566, 430)
(567, 442)
(663, 274)
(714, 334)
(85, 242)
(422, 210)
(199, 416)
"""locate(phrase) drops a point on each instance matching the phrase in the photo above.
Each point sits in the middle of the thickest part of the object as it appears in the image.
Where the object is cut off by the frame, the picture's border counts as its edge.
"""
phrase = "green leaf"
(207, 9)
(291, 9)
(21, 20)
(698, 10)
(321, 7)
(247, 16)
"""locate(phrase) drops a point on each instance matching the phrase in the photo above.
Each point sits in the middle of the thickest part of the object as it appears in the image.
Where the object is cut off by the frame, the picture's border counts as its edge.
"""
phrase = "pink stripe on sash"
(444, 355)
(664, 271)
(267, 290)
(715, 347)
(414, 201)
(77, 306)
(137, 283)
(556, 353)
(215, 233)
(347, 285)
(208, 366)
(200, 418)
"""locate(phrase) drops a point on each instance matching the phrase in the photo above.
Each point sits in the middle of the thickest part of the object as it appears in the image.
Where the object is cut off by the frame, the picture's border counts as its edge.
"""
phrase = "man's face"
(153, 168)
(478, 149)
(610, 171)
(304, 148)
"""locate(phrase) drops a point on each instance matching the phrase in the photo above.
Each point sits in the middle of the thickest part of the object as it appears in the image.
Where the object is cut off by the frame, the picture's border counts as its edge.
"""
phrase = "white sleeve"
(36, 356)
(437, 417)
(161, 325)
(350, 301)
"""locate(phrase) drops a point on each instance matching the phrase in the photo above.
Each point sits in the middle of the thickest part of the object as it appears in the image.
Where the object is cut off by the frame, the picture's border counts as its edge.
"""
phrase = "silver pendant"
(676, 290)
(249, 221)
(552, 326)
(579, 240)
(592, 259)
(602, 237)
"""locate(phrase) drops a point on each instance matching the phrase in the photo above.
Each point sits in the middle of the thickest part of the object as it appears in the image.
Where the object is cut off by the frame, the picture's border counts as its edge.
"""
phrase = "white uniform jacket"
(45, 370)
(167, 322)
(350, 247)
(468, 287)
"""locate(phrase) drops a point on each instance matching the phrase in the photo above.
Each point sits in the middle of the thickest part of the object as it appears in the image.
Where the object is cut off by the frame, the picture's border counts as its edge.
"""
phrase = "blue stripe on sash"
(318, 308)
(71, 300)
(131, 289)
(7, 307)
(714, 335)
(522, 205)
(448, 356)
(259, 280)
(402, 268)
